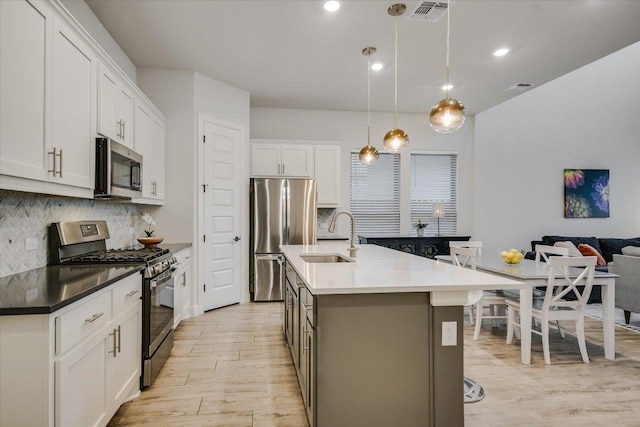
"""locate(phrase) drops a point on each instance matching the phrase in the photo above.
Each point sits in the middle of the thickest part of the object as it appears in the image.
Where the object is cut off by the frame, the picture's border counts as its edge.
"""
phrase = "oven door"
(160, 310)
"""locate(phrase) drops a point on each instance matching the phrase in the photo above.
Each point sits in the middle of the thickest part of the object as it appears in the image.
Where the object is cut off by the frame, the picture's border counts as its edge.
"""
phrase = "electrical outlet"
(449, 334)
(31, 243)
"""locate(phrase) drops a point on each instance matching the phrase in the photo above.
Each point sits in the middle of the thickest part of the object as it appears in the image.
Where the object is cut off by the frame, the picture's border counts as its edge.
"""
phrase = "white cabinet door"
(143, 146)
(115, 108)
(327, 174)
(266, 159)
(124, 363)
(124, 116)
(107, 99)
(25, 67)
(73, 121)
(297, 160)
(158, 157)
(80, 382)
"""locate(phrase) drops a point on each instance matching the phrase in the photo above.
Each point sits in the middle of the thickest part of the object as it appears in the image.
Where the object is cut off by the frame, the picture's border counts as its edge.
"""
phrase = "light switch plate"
(449, 334)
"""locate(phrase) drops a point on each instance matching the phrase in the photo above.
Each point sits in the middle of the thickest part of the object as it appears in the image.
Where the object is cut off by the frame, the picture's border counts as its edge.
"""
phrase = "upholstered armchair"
(628, 285)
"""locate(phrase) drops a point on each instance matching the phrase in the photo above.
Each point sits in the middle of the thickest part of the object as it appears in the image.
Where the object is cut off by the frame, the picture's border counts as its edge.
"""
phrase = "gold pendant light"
(447, 115)
(396, 139)
(369, 154)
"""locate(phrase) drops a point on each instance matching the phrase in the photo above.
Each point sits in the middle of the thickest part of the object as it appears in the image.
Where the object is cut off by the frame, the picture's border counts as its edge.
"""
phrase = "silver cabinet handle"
(124, 127)
(304, 333)
(120, 134)
(282, 169)
(114, 347)
(93, 318)
(53, 153)
(119, 337)
(60, 171)
(132, 293)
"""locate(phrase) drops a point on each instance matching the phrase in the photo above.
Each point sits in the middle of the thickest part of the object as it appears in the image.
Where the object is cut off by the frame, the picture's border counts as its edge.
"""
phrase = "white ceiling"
(293, 54)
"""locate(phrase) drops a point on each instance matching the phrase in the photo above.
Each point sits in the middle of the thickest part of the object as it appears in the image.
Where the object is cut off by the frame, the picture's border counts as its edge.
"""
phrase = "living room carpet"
(595, 311)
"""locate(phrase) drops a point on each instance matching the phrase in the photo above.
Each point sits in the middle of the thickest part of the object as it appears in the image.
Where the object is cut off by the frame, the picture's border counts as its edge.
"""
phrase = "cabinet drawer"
(307, 305)
(77, 324)
(183, 257)
(127, 293)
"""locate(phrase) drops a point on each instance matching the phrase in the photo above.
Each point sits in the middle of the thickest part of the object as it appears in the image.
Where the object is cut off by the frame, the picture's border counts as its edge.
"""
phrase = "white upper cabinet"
(73, 109)
(47, 107)
(327, 174)
(282, 160)
(25, 67)
(115, 108)
(150, 143)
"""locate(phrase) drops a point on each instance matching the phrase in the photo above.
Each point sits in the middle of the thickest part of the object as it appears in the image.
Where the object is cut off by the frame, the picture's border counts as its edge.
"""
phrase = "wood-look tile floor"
(230, 367)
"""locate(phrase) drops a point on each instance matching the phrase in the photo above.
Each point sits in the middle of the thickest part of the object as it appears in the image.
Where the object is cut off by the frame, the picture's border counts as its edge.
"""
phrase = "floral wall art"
(586, 193)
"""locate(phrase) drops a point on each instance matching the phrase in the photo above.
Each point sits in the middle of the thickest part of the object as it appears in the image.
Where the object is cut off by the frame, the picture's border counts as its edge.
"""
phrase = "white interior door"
(221, 213)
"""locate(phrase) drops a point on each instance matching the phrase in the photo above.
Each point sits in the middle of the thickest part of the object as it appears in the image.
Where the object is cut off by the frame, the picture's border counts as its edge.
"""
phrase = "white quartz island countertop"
(376, 269)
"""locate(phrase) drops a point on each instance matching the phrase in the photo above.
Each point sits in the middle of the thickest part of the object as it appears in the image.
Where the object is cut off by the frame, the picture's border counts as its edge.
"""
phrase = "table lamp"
(438, 212)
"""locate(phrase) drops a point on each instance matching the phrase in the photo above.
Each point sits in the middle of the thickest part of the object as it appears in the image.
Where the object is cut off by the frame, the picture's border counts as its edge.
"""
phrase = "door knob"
(235, 239)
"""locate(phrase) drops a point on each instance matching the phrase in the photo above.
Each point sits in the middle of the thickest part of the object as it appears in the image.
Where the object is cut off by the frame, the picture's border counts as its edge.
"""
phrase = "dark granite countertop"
(48, 289)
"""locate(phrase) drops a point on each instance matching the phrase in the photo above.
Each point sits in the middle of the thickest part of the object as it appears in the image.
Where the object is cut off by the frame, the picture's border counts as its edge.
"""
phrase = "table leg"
(608, 319)
(526, 301)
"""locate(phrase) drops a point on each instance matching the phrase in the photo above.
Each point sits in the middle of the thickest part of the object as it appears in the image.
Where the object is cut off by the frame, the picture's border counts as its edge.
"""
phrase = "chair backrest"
(463, 257)
(544, 250)
(468, 244)
(559, 287)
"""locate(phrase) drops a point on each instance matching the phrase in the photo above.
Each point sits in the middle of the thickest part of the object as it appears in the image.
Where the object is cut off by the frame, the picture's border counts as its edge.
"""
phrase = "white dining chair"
(543, 251)
(493, 300)
(466, 257)
(553, 307)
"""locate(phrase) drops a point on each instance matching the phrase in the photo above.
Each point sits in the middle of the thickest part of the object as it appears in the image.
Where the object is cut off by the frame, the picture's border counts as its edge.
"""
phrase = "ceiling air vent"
(430, 11)
(520, 87)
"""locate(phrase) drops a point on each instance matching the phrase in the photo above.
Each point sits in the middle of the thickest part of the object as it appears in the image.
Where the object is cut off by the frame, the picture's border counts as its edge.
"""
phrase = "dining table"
(535, 274)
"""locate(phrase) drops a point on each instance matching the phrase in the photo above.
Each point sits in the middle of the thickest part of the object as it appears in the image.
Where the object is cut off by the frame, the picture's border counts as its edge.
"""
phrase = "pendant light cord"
(369, 99)
(395, 85)
(448, 25)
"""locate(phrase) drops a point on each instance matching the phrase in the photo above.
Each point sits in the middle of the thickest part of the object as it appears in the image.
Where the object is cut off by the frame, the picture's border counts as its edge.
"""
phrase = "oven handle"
(157, 282)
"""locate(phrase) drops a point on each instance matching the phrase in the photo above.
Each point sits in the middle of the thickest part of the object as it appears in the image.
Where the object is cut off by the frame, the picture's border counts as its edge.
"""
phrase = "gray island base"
(366, 334)
(379, 362)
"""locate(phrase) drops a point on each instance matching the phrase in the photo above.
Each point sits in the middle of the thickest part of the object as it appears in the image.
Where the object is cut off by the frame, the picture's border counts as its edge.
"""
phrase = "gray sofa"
(628, 285)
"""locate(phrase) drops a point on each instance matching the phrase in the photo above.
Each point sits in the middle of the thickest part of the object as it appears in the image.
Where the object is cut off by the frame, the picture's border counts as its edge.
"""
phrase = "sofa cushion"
(588, 250)
(631, 250)
(573, 249)
(609, 246)
(591, 241)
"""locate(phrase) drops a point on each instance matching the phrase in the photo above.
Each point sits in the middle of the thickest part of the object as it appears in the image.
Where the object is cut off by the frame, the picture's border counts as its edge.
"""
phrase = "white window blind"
(434, 179)
(375, 195)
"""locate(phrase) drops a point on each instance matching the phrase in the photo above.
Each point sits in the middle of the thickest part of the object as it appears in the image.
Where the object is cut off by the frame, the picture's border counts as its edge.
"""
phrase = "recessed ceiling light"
(331, 6)
(447, 87)
(501, 52)
(377, 66)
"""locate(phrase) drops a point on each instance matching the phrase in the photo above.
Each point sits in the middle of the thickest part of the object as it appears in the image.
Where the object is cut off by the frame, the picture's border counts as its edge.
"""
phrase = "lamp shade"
(447, 115)
(395, 140)
(438, 210)
(368, 155)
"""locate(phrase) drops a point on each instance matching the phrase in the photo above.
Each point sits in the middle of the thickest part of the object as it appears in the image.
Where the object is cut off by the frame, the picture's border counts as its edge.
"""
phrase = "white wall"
(588, 118)
(85, 16)
(182, 96)
(349, 129)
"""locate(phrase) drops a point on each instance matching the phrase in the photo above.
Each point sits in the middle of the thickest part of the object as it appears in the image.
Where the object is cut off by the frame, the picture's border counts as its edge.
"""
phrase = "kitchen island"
(367, 336)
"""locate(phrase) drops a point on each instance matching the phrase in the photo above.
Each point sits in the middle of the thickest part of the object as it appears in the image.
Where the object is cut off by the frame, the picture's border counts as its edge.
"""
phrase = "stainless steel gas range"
(84, 242)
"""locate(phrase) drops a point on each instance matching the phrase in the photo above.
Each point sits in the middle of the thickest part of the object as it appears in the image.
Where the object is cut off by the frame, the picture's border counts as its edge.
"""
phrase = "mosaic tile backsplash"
(28, 215)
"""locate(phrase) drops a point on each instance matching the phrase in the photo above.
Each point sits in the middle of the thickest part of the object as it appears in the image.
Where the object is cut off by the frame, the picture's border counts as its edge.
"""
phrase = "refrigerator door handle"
(269, 258)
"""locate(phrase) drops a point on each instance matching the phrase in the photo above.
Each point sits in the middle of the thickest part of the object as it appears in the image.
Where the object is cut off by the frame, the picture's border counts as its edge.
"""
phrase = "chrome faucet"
(332, 228)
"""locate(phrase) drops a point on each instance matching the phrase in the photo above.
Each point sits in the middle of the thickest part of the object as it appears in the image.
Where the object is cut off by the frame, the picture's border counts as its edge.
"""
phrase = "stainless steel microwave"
(118, 171)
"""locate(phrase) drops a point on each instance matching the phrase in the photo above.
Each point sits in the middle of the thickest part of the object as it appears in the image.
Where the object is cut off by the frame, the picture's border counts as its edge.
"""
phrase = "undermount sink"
(324, 258)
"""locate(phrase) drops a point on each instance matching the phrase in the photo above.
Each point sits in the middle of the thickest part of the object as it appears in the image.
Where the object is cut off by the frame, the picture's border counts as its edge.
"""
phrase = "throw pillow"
(573, 249)
(631, 250)
(588, 250)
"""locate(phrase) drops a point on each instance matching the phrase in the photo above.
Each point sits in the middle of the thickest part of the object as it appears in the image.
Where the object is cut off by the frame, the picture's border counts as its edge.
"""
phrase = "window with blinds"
(375, 195)
(434, 179)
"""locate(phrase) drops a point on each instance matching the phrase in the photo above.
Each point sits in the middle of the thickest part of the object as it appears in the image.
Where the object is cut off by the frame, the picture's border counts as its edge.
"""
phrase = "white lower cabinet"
(76, 366)
(182, 287)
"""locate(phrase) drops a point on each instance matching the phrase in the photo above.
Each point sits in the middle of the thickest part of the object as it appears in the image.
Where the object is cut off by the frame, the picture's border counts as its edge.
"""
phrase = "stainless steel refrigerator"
(283, 212)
